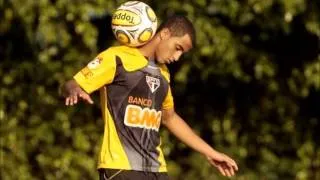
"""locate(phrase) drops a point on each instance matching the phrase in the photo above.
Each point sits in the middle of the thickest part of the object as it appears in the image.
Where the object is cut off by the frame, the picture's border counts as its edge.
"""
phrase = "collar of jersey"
(133, 60)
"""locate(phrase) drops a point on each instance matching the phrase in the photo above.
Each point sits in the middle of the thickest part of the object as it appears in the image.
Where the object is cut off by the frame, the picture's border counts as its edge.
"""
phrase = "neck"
(148, 50)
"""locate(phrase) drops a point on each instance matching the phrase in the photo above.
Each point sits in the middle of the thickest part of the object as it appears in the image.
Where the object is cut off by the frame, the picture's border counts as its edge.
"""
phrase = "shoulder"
(130, 57)
(165, 72)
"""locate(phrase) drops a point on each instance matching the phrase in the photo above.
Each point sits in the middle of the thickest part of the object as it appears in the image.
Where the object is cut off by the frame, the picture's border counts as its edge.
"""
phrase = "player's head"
(177, 36)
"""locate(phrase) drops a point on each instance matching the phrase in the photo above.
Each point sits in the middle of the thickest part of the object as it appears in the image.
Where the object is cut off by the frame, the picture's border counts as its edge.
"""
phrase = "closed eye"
(179, 48)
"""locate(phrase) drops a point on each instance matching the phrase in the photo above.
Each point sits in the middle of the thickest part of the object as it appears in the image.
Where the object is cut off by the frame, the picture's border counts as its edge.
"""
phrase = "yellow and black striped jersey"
(133, 91)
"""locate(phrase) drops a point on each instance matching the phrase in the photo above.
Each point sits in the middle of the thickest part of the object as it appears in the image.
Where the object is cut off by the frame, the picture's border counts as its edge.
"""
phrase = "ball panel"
(131, 3)
(122, 37)
(151, 15)
(145, 35)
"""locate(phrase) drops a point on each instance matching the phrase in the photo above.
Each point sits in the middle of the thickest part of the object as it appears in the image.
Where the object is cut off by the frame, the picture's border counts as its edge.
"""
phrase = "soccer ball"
(134, 23)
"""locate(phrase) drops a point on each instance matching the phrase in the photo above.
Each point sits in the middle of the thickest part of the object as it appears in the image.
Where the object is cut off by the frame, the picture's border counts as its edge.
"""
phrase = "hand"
(75, 94)
(223, 163)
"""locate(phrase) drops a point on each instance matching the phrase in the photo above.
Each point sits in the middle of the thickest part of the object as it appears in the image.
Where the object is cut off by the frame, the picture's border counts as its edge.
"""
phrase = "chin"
(160, 61)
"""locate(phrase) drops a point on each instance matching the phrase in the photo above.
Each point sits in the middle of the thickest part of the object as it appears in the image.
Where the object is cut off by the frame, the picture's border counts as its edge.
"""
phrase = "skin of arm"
(178, 127)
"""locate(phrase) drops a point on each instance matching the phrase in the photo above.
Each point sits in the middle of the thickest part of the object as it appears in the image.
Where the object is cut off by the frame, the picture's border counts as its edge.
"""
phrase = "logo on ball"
(125, 18)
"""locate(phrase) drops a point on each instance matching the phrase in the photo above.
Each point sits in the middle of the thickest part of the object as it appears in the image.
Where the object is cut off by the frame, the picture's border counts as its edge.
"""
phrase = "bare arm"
(183, 132)
(73, 92)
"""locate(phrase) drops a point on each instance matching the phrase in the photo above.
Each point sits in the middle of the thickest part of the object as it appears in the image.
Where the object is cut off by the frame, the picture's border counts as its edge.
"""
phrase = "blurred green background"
(251, 87)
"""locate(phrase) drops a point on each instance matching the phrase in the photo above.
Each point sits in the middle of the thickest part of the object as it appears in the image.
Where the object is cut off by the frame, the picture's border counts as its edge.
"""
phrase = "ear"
(165, 33)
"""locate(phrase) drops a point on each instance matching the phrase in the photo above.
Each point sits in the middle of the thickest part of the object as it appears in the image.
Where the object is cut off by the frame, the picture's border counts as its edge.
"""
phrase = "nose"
(177, 55)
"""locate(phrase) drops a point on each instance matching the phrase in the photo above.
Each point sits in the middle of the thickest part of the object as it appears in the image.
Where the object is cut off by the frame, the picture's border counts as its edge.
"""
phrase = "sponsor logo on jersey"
(153, 83)
(94, 64)
(140, 101)
(135, 116)
(87, 73)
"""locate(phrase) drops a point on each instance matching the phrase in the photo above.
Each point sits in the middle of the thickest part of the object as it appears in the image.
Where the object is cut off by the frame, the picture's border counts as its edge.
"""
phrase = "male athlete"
(135, 99)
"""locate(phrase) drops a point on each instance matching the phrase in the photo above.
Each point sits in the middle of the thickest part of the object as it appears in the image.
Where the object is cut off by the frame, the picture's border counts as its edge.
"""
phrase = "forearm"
(184, 133)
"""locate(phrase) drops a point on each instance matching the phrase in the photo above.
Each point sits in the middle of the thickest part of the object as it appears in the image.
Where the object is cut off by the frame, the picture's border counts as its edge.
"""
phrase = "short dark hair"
(179, 26)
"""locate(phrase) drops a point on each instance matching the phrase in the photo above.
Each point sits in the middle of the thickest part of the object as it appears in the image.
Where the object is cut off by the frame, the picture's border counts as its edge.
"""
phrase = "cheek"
(161, 51)
(170, 49)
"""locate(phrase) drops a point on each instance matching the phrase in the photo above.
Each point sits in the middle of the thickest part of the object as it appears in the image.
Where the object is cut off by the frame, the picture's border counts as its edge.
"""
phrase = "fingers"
(232, 171)
(232, 164)
(221, 170)
(67, 101)
(86, 97)
(226, 165)
(229, 162)
(75, 100)
(225, 170)
(229, 170)
(71, 100)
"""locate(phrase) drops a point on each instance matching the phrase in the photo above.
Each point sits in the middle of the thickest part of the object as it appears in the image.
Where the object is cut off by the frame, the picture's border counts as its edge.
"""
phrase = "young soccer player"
(134, 86)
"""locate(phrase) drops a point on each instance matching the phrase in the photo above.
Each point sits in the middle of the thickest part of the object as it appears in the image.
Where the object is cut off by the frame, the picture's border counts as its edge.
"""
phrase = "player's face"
(171, 48)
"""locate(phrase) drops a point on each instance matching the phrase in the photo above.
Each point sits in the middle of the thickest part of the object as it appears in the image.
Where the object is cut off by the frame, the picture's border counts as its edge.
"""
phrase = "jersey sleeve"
(98, 72)
(168, 101)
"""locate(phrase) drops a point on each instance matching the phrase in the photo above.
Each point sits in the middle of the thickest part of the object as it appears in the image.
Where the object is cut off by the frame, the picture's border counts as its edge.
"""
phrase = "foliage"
(252, 85)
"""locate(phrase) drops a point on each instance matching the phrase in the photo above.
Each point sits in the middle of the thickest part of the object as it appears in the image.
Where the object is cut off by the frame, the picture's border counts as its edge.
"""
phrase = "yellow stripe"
(163, 166)
(112, 154)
